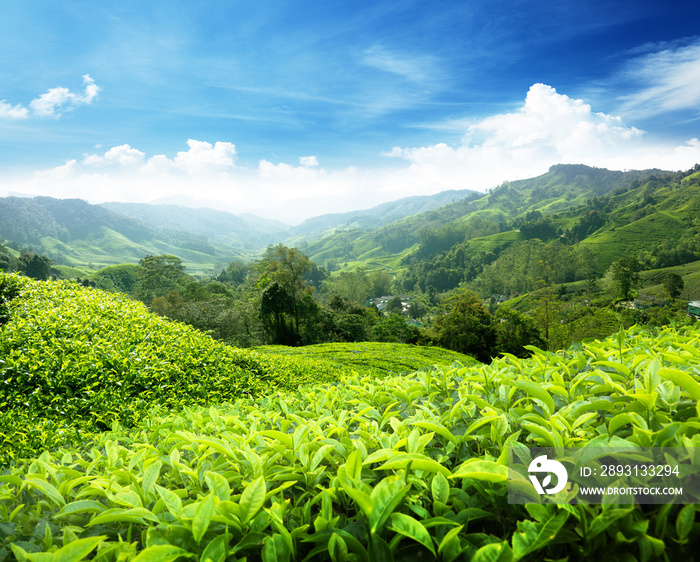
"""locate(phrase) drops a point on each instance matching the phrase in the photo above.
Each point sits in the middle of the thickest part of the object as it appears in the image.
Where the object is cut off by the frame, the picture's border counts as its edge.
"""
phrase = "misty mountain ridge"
(391, 235)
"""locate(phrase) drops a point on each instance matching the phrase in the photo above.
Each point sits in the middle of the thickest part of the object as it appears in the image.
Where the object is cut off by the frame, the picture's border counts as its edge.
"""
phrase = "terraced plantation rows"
(299, 461)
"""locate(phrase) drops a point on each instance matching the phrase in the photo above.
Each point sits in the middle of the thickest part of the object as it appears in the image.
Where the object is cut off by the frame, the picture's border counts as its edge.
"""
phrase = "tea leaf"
(409, 527)
(532, 536)
(163, 553)
(252, 499)
(202, 517)
(77, 550)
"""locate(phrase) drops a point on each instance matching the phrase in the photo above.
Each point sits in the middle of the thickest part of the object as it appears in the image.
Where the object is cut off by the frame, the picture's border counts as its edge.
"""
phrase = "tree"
(467, 327)
(281, 274)
(394, 328)
(35, 266)
(416, 309)
(286, 266)
(515, 330)
(380, 282)
(625, 274)
(674, 285)
(275, 305)
(236, 273)
(394, 306)
(158, 276)
(354, 286)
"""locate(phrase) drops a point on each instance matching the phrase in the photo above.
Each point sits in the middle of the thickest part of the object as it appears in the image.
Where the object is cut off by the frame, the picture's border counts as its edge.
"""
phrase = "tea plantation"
(128, 437)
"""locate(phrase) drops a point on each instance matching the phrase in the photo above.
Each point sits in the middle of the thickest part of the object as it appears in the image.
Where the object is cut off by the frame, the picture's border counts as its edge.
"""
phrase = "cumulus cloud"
(53, 103)
(549, 128)
(8, 111)
(122, 156)
(308, 161)
(203, 157)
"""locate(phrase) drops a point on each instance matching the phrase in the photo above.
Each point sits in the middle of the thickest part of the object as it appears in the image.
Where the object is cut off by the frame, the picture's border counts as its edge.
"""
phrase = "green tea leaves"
(252, 499)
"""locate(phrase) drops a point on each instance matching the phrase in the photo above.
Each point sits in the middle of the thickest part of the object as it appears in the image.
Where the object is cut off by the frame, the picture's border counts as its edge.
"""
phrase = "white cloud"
(59, 100)
(123, 156)
(53, 103)
(670, 79)
(203, 157)
(8, 111)
(308, 161)
(548, 128)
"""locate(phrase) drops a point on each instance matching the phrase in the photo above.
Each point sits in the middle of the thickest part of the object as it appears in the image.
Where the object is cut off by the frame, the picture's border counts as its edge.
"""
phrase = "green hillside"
(79, 357)
(74, 233)
(423, 235)
(369, 219)
(244, 232)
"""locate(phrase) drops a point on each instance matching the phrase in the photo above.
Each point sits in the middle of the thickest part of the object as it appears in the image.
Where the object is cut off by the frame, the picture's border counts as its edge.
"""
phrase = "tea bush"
(398, 468)
(75, 359)
(376, 358)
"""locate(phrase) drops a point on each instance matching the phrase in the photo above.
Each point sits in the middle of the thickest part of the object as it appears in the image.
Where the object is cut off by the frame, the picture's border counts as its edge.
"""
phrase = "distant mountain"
(73, 232)
(378, 216)
(248, 231)
(612, 213)
(584, 219)
(425, 234)
(29, 220)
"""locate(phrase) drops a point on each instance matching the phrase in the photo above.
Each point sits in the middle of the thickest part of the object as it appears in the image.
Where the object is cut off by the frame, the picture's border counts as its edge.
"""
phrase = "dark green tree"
(673, 283)
(395, 329)
(625, 274)
(35, 266)
(276, 306)
(394, 306)
(466, 327)
(380, 283)
(515, 330)
(281, 273)
(158, 276)
(234, 274)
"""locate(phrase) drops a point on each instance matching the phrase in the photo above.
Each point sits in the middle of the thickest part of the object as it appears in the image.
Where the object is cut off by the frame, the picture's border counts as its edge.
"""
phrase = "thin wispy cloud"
(416, 68)
(669, 79)
(52, 103)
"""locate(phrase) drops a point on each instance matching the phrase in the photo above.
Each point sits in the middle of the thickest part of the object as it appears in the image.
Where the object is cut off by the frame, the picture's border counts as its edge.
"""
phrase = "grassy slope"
(109, 247)
(652, 281)
(610, 243)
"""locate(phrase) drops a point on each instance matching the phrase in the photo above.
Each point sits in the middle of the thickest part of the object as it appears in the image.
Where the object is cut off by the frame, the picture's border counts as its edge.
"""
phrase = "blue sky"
(292, 109)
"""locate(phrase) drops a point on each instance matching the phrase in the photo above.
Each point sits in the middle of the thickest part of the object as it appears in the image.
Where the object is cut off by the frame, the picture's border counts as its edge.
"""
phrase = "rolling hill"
(610, 213)
(74, 233)
(246, 231)
(564, 188)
